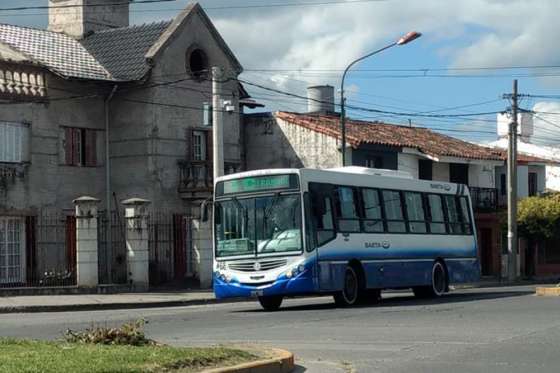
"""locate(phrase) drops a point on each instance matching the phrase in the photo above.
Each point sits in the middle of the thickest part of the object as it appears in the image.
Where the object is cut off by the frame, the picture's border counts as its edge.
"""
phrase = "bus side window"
(453, 217)
(321, 199)
(373, 218)
(415, 212)
(466, 215)
(393, 211)
(347, 210)
(436, 216)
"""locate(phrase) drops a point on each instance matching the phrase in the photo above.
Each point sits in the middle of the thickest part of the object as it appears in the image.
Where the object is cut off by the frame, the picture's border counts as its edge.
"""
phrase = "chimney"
(320, 99)
(79, 18)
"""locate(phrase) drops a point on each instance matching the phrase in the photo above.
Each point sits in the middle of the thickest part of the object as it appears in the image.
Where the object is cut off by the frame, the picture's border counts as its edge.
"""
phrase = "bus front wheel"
(438, 285)
(271, 303)
(350, 293)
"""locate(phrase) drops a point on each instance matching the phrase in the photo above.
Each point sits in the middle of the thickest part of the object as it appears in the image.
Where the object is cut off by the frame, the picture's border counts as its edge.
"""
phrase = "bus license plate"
(257, 293)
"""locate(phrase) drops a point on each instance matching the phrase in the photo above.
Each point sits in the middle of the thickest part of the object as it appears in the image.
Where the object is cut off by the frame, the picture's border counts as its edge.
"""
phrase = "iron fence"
(37, 251)
(112, 266)
(40, 250)
(169, 247)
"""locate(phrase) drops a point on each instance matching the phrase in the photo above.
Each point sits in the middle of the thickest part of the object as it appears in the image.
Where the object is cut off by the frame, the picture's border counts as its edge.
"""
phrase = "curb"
(117, 306)
(282, 362)
(548, 291)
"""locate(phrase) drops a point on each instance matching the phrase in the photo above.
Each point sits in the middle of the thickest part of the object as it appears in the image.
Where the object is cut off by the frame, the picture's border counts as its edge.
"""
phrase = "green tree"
(539, 217)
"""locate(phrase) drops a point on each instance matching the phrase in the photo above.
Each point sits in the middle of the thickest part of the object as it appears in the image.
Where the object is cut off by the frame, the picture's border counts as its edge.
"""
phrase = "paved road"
(477, 330)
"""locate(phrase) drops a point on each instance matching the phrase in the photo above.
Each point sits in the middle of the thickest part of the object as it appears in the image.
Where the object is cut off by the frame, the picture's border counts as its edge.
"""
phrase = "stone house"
(93, 106)
(312, 139)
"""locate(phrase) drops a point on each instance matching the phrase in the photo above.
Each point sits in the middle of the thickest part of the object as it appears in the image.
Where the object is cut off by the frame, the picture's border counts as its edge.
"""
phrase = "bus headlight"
(293, 272)
(222, 266)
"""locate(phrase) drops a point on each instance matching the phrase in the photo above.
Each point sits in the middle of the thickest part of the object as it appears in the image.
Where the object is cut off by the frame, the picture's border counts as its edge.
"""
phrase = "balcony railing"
(484, 199)
(195, 177)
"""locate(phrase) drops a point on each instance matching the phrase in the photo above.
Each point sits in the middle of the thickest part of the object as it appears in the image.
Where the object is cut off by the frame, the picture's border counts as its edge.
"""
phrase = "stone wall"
(274, 143)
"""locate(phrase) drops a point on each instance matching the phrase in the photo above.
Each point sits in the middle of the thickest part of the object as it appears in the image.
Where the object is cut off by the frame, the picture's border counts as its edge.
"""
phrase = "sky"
(469, 53)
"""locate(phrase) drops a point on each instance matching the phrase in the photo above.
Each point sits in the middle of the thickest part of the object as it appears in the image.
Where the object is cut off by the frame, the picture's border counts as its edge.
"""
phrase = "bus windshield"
(258, 226)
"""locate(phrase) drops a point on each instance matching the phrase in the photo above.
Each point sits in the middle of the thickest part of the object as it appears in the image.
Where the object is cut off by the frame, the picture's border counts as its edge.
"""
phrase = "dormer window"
(197, 63)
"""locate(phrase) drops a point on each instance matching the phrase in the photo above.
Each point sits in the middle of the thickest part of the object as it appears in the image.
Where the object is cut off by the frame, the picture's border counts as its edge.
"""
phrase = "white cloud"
(490, 32)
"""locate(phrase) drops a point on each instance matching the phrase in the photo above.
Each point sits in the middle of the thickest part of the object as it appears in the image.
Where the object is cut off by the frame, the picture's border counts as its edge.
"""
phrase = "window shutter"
(25, 142)
(91, 148)
(71, 243)
(17, 143)
(3, 142)
(209, 146)
(189, 142)
(30, 248)
(69, 146)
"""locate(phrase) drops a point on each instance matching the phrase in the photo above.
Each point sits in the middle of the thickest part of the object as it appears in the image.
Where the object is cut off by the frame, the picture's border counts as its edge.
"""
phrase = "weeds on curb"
(130, 334)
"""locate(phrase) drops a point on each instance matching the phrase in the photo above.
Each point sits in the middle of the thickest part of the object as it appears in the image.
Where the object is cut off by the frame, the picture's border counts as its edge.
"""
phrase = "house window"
(459, 173)
(12, 140)
(12, 259)
(503, 190)
(532, 184)
(199, 145)
(197, 63)
(425, 169)
(80, 147)
(374, 162)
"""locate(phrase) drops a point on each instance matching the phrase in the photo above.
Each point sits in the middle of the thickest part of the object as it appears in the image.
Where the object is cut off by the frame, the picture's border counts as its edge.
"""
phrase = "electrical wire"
(94, 5)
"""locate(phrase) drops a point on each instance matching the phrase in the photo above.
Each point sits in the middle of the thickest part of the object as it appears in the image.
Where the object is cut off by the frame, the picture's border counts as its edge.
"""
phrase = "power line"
(421, 69)
(211, 8)
(40, 7)
(368, 109)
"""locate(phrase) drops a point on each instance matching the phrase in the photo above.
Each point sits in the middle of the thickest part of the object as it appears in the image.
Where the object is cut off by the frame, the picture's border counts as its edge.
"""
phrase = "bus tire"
(439, 283)
(271, 303)
(350, 293)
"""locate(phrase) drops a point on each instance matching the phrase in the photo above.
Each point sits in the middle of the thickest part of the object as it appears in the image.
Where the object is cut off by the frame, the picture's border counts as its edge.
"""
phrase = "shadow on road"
(407, 300)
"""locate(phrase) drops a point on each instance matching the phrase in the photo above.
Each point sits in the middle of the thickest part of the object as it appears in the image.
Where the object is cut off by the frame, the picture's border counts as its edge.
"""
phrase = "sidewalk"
(90, 302)
(82, 302)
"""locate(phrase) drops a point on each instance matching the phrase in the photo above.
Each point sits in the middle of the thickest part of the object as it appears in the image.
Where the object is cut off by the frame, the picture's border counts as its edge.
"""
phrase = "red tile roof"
(423, 139)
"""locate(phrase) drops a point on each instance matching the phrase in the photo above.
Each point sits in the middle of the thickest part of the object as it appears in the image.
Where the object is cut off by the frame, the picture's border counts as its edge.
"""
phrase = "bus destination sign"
(257, 184)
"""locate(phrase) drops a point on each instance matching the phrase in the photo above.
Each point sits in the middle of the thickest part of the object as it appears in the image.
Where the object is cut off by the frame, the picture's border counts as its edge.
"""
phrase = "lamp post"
(413, 35)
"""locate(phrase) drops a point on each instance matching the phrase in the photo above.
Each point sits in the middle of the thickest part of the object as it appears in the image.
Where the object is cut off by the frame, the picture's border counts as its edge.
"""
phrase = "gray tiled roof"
(122, 51)
(58, 52)
(115, 55)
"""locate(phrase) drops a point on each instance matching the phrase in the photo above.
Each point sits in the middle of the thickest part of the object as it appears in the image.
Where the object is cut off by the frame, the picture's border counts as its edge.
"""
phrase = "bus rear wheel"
(438, 286)
(271, 303)
(350, 293)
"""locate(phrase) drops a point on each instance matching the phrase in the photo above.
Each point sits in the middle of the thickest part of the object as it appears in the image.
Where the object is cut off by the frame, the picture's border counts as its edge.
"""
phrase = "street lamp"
(413, 35)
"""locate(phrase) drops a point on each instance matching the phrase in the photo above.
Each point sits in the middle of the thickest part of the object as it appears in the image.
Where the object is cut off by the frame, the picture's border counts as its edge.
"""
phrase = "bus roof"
(340, 175)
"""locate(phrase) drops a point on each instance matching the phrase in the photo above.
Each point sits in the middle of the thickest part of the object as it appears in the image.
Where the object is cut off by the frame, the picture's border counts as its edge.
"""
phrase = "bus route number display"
(255, 184)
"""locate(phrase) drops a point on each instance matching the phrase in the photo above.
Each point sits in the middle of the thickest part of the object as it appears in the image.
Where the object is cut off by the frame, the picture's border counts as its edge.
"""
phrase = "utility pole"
(512, 187)
(217, 122)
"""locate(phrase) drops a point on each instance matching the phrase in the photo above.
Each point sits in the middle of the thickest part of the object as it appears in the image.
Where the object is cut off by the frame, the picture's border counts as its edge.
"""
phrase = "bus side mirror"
(204, 210)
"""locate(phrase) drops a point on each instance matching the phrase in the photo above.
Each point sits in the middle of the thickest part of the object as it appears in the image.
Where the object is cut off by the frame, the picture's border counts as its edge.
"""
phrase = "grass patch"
(32, 356)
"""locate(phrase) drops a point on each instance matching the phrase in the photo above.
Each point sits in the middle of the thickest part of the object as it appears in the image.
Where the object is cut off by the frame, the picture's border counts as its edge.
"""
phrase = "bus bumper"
(301, 284)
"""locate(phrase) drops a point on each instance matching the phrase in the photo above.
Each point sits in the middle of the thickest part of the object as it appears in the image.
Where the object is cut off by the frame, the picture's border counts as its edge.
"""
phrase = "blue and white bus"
(348, 232)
